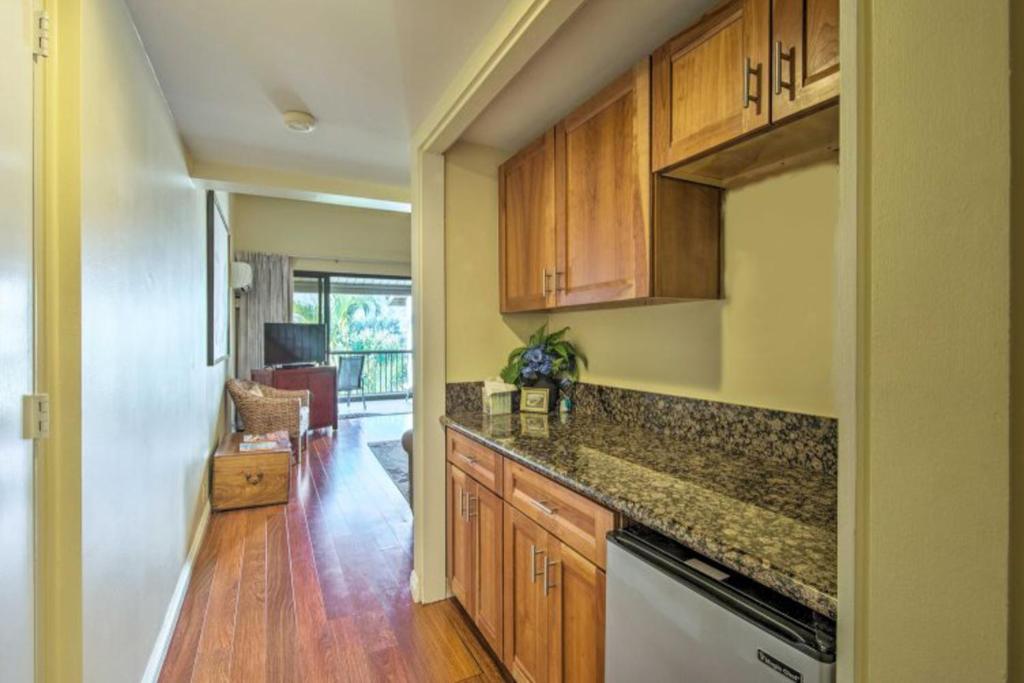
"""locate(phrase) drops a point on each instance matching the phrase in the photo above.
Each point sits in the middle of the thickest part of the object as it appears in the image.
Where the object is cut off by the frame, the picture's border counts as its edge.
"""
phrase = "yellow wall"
(1017, 346)
(344, 239)
(769, 342)
(59, 639)
(140, 409)
(934, 485)
(479, 338)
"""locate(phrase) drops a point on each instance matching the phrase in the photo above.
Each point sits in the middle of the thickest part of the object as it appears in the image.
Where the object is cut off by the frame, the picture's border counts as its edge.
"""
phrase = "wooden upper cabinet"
(805, 53)
(526, 228)
(602, 195)
(710, 83)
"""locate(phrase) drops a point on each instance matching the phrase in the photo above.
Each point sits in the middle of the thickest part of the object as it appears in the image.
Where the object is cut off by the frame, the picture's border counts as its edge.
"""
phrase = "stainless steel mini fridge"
(673, 615)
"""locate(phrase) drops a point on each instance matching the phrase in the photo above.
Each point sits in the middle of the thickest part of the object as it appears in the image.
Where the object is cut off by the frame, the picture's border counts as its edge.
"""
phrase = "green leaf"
(537, 338)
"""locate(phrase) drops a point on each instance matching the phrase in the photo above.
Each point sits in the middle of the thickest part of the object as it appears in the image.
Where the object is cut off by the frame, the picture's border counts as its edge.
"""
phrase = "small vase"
(544, 382)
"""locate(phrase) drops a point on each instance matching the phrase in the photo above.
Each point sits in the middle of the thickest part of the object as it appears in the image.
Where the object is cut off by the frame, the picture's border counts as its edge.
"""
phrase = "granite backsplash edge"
(795, 439)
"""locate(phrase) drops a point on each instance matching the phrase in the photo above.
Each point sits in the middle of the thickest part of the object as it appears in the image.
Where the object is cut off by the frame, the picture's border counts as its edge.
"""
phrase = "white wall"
(343, 239)
(150, 406)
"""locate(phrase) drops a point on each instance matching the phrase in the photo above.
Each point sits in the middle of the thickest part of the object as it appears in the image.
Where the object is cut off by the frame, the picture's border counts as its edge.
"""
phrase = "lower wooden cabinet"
(475, 553)
(537, 599)
(575, 603)
(526, 614)
(485, 510)
(460, 539)
(554, 607)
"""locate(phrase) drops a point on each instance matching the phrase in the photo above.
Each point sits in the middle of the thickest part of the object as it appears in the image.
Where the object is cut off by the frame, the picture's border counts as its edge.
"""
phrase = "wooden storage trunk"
(241, 479)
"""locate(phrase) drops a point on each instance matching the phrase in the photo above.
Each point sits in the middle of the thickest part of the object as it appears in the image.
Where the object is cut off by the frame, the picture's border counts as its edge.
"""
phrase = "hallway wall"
(128, 322)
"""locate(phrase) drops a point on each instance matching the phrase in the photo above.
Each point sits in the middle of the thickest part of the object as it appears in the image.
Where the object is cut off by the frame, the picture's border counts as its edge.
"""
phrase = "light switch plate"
(36, 416)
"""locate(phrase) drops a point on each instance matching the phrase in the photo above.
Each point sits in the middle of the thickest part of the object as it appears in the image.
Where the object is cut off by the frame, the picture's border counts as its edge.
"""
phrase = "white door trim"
(521, 30)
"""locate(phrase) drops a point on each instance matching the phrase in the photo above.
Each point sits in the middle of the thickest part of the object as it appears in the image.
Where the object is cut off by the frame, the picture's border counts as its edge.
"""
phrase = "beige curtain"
(269, 300)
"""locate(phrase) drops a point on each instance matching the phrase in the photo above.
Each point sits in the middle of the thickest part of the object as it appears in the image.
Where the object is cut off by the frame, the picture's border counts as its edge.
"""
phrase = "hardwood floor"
(317, 590)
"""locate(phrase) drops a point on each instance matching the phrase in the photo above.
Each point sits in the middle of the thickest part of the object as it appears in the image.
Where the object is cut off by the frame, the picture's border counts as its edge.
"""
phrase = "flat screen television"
(294, 344)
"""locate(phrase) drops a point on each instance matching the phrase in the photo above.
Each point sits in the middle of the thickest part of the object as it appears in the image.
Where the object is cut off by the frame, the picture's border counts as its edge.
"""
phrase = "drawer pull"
(543, 507)
(469, 460)
(533, 563)
(254, 478)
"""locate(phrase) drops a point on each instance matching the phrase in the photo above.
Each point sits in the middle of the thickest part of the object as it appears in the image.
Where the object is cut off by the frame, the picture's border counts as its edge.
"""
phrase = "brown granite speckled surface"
(755, 514)
(795, 439)
(463, 397)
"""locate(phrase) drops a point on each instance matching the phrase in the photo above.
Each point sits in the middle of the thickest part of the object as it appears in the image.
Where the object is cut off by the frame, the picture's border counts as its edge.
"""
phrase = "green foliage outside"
(363, 322)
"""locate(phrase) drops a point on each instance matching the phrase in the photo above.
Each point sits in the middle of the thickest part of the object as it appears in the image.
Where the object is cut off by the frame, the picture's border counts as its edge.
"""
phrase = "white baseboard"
(414, 586)
(163, 638)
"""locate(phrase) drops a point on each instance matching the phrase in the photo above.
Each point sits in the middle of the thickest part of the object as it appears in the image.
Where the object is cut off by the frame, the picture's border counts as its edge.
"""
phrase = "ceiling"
(369, 70)
(599, 42)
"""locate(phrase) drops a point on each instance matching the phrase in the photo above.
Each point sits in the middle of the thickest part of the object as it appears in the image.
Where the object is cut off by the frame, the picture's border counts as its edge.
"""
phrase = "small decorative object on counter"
(565, 405)
(497, 397)
(535, 400)
(534, 425)
(548, 361)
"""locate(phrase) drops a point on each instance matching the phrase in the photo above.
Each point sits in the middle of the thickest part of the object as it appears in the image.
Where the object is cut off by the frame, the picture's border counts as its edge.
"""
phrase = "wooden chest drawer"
(476, 460)
(249, 479)
(577, 521)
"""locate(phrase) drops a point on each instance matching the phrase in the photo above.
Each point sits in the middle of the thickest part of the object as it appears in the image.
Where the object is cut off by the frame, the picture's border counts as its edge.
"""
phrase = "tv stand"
(320, 380)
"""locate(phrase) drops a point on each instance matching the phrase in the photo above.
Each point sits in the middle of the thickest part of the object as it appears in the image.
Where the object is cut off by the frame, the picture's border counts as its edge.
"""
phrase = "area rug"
(395, 461)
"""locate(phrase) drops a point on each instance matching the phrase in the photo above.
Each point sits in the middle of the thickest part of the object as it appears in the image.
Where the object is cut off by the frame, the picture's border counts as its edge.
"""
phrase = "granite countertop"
(771, 522)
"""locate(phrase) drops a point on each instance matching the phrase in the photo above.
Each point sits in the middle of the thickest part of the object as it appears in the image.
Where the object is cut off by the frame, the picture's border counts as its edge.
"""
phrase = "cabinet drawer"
(476, 460)
(578, 522)
(249, 480)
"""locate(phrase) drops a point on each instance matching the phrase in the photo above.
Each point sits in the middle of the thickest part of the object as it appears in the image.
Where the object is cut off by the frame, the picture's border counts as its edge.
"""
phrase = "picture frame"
(218, 288)
(534, 399)
(533, 425)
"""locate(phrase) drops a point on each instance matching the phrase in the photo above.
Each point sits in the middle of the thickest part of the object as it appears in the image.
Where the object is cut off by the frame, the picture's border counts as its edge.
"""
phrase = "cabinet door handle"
(548, 586)
(533, 563)
(543, 507)
(469, 505)
(779, 56)
(559, 277)
(253, 478)
(544, 281)
(462, 504)
(748, 71)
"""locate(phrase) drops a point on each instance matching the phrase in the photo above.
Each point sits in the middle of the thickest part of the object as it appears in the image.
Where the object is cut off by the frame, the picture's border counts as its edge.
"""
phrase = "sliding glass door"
(369, 328)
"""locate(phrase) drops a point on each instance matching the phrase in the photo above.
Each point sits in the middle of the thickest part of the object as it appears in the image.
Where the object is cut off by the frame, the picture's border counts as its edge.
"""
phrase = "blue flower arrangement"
(545, 358)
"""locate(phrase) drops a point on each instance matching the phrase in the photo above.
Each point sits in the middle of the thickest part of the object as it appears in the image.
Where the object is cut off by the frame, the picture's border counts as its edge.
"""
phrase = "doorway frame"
(517, 36)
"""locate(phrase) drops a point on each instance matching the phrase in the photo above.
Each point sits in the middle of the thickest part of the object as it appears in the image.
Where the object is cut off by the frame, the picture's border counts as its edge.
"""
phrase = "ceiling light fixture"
(299, 121)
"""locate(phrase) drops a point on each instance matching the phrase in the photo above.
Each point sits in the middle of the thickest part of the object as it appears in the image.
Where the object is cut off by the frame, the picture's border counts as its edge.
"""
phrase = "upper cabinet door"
(711, 82)
(602, 195)
(805, 55)
(526, 228)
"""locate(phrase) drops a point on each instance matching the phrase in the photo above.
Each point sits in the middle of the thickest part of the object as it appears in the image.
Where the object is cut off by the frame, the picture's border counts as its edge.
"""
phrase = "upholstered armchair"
(265, 409)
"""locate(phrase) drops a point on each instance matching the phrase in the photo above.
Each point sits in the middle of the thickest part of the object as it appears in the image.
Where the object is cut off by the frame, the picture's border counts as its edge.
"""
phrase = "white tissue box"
(497, 397)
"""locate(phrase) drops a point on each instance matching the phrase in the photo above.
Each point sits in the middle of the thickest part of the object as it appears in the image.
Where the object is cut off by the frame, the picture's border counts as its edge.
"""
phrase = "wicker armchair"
(265, 409)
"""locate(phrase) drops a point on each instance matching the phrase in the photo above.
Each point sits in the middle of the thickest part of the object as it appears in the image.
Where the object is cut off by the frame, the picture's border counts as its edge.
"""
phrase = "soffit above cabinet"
(600, 42)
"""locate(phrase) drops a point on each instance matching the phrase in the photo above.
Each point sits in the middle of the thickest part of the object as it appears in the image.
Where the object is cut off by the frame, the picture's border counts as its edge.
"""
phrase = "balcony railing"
(386, 374)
